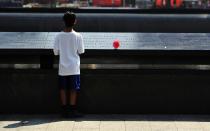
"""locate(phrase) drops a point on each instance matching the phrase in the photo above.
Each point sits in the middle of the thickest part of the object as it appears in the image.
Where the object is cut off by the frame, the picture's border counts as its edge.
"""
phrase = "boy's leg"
(74, 87)
(63, 97)
(64, 107)
(73, 104)
(62, 86)
(73, 97)
(73, 100)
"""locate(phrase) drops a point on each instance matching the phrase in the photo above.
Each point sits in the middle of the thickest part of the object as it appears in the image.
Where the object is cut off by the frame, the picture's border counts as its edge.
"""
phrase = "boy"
(68, 45)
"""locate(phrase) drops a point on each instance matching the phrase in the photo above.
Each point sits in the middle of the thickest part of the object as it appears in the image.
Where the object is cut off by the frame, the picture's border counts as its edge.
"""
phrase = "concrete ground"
(106, 123)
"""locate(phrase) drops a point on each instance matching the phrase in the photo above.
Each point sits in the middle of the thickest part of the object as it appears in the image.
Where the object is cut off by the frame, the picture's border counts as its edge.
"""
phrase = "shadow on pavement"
(31, 120)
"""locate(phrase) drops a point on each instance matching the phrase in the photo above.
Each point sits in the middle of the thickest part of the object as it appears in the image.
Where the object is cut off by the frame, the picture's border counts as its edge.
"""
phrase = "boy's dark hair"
(69, 19)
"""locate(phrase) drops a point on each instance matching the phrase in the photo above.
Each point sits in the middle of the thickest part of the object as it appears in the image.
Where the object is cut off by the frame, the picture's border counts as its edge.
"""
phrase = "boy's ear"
(75, 22)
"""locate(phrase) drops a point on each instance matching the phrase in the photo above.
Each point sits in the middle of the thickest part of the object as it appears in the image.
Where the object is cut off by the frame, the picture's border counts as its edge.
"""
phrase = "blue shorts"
(71, 82)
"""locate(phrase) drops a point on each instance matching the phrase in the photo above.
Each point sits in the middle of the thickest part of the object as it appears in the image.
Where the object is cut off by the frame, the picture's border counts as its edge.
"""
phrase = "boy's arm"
(81, 48)
(56, 46)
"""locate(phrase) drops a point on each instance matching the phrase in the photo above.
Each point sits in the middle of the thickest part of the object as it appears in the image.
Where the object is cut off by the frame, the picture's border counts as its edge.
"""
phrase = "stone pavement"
(106, 123)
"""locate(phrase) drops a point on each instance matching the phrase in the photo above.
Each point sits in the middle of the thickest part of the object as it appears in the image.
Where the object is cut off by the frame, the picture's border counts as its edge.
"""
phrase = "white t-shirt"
(68, 45)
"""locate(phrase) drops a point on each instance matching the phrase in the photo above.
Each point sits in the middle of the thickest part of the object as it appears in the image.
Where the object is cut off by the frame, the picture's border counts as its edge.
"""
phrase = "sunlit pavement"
(106, 123)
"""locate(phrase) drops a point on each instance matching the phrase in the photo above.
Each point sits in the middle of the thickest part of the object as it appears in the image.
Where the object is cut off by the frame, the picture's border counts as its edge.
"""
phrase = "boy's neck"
(68, 29)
